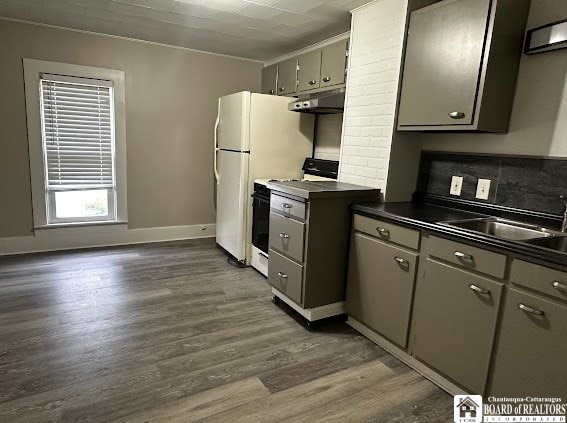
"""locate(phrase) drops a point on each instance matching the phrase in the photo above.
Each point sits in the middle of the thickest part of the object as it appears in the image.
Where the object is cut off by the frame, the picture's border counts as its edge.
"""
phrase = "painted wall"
(539, 118)
(377, 36)
(171, 106)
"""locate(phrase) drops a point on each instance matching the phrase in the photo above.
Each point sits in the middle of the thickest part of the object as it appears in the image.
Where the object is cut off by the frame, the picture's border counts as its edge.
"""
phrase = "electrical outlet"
(456, 185)
(483, 189)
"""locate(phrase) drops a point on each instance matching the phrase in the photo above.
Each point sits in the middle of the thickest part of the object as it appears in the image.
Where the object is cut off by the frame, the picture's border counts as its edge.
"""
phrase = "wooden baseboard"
(99, 236)
(404, 357)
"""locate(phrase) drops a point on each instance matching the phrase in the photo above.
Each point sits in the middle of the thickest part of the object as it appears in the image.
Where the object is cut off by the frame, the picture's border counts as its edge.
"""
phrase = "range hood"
(323, 103)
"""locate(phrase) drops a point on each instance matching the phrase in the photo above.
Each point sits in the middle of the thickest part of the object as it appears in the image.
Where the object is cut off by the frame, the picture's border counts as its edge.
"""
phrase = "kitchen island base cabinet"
(454, 322)
(380, 286)
(531, 353)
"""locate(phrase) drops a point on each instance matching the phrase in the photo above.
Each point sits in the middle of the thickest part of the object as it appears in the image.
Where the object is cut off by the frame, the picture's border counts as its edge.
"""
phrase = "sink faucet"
(564, 224)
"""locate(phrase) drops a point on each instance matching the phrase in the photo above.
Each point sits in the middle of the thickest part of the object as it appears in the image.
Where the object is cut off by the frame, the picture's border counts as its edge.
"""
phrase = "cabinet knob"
(559, 286)
(479, 289)
(284, 236)
(463, 256)
(382, 231)
(282, 89)
(401, 261)
(326, 79)
(530, 310)
(272, 92)
(282, 275)
(287, 206)
(312, 82)
(457, 115)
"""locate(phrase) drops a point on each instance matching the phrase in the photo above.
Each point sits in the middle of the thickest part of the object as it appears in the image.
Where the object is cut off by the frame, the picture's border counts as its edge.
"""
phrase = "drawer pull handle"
(456, 115)
(326, 79)
(312, 82)
(382, 231)
(401, 261)
(282, 275)
(530, 310)
(559, 286)
(287, 205)
(479, 289)
(284, 236)
(463, 256)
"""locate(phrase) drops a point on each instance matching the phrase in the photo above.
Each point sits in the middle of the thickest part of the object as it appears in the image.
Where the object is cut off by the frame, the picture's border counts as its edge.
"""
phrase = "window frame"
(43, 203)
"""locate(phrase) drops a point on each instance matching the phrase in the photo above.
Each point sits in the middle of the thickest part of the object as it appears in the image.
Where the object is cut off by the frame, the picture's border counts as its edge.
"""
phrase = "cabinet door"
(309, 70)
(532, 348)
(453, 323)
(287, 76)
(269, 76)
(380, 286)
(333, 64)
(443, 61)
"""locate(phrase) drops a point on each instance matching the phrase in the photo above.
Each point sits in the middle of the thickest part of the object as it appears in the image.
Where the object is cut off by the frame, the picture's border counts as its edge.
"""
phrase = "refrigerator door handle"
(216, 149)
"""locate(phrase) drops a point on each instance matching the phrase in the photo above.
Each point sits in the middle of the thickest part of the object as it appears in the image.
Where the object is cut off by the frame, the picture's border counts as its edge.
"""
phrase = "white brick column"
(376, 46)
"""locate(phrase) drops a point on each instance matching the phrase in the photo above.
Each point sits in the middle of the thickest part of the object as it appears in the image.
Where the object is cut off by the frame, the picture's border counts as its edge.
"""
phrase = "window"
(77, 120)
(76, 134)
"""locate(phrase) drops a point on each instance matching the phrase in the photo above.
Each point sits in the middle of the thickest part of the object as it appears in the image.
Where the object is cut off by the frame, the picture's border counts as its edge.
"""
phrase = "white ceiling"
(255, 29)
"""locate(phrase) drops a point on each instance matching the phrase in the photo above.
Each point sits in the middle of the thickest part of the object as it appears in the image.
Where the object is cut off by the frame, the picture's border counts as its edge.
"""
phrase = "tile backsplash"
(526, 183)
(328, 134)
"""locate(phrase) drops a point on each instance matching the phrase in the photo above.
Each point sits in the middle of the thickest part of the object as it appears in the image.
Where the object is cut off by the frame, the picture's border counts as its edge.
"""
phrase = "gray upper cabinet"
(287, 76)
(333, 63)
(380, 286)
(309, 72)
(454, 322)
(269, 80)
(532, 348)
(461, 65)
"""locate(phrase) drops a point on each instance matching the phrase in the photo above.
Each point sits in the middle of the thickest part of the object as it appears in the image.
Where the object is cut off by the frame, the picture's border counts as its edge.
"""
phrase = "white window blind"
(78, 133)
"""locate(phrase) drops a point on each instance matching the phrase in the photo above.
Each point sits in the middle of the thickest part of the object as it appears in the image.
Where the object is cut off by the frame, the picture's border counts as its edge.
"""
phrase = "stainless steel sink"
(558, 243)
(502, 228)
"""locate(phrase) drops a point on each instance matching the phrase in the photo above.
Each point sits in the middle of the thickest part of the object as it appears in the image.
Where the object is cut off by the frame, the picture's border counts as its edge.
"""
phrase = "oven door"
(261, 222)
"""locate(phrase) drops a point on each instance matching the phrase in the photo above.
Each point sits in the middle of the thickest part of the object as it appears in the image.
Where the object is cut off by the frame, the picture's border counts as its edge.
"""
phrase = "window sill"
(81, 227)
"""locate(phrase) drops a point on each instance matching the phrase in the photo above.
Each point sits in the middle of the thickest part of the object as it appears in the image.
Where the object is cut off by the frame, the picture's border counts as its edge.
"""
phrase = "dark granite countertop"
(427, 217)
(321, 189)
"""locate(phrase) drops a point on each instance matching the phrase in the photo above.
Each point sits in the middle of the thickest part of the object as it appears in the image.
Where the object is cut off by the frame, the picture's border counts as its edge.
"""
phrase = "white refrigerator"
(256, 137)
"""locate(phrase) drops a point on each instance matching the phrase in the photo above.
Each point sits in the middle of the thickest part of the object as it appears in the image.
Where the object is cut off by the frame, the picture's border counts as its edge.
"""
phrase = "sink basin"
(502, 228)
(558, 243)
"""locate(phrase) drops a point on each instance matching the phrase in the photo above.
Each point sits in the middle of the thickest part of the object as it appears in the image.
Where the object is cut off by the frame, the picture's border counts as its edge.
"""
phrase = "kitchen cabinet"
(287, 76)
(454, 322)
(269, 80)
(309, 70)
(334, 63)
(461, 65)
(380, 286)
(532, 347)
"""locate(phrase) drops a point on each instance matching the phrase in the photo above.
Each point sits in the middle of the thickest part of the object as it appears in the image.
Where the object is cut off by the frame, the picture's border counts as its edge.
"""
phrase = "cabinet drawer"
(380, 286)
(387, 231)
(287, 236)
(531, 350)
(287, 206)
(549, 281)
(472, 258)
(286, 276)
(454, 321)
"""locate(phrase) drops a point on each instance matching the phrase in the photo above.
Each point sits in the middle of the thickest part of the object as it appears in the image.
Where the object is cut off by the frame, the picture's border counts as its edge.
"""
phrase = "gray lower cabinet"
(454, 320)
(269, 80)
(531, 351)
(380, 286)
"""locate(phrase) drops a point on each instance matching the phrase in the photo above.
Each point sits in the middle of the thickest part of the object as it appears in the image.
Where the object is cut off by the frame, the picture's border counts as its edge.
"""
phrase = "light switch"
(456, 185)
(483, 189)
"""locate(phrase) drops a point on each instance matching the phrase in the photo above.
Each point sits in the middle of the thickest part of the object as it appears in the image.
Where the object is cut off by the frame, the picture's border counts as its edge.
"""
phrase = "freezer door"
(233, 197)
(234, 122)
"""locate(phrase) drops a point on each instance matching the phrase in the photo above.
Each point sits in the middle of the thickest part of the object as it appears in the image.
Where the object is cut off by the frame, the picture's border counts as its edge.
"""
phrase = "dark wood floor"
(172, 332)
